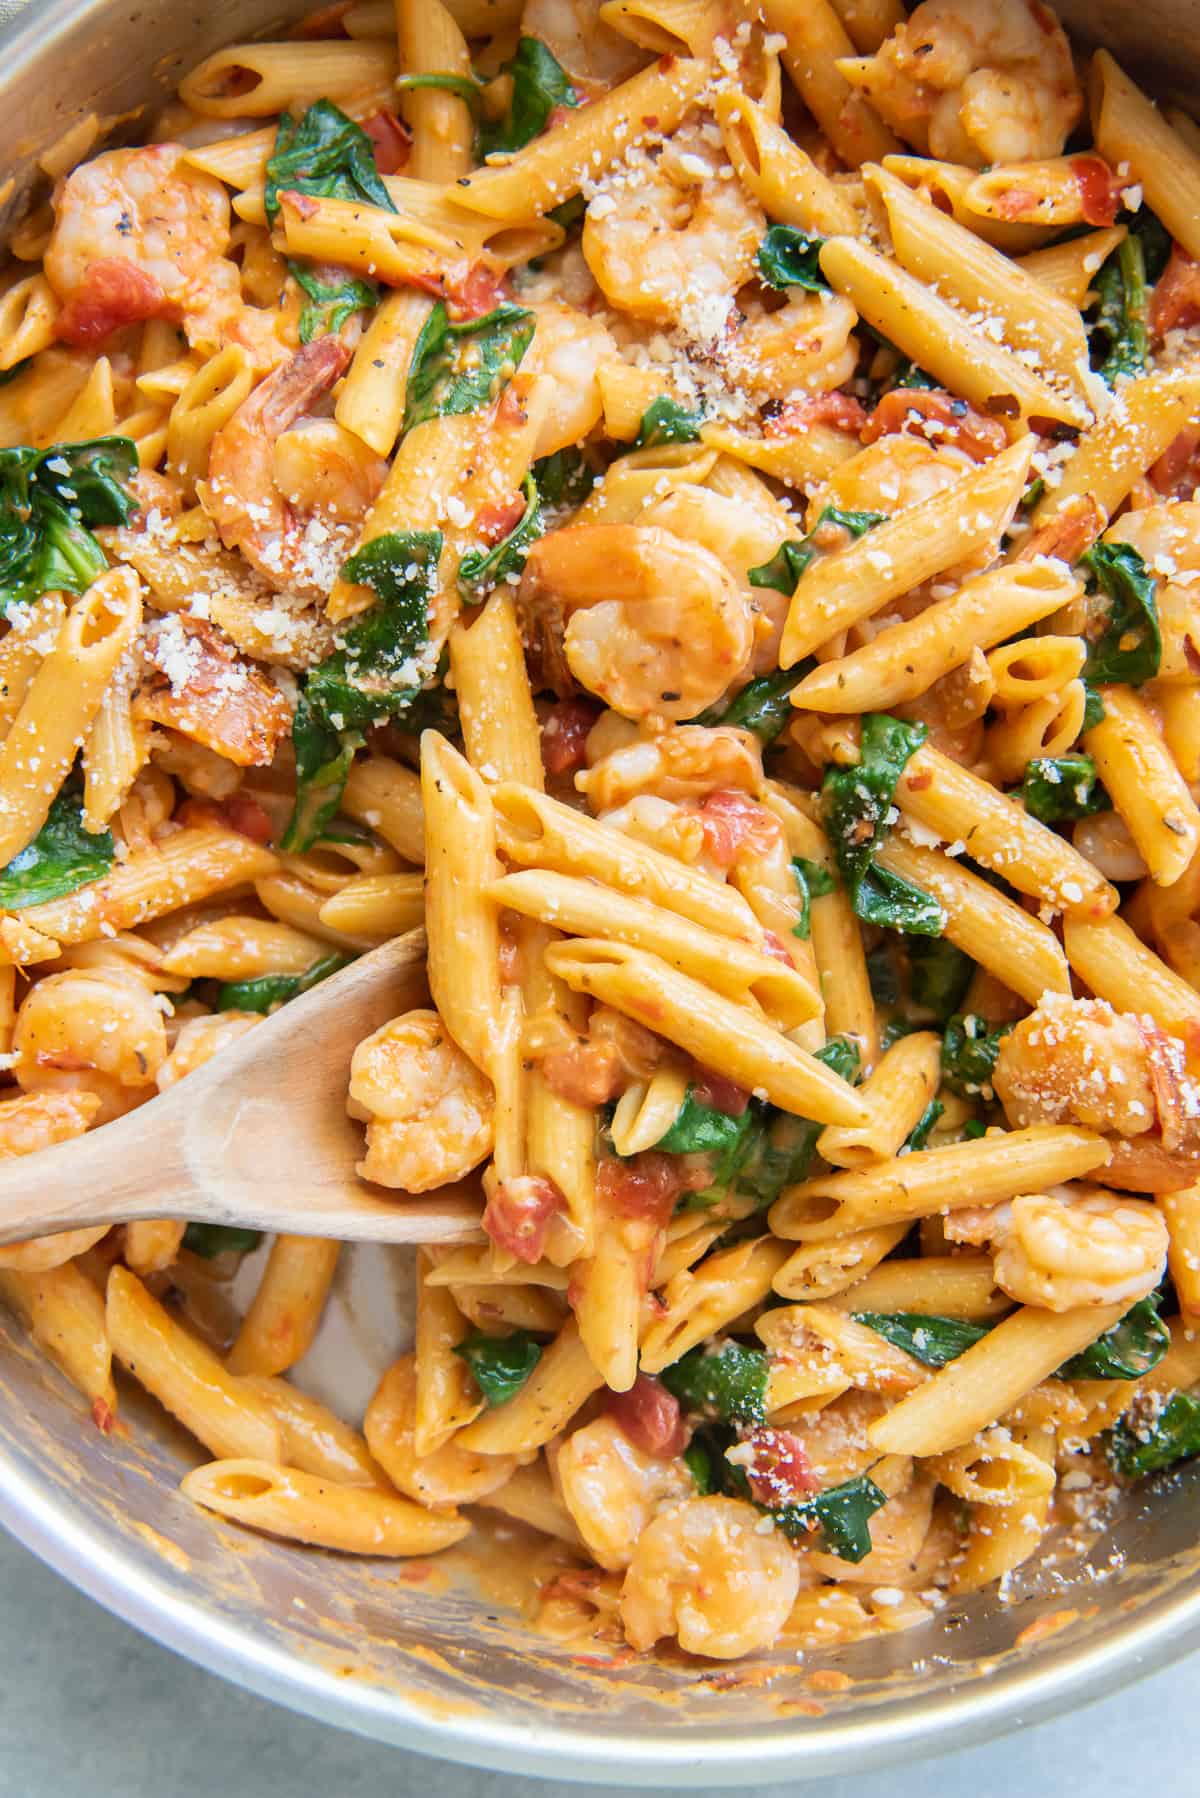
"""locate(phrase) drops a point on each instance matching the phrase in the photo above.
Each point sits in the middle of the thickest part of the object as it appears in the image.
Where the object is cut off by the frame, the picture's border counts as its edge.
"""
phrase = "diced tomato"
(201, 814)
(647, 1185)
(733, 822)
(240, 813)
(519, 1213)
(1177, 471)
(651, 1418)
(565, 731)
(102, 1415)
(939, 416)
(1176, 300)
(840, 410)
(719, 1094)
(777, 1466)
(113, 293)
(391, 141)
(588, 1074)
(478, 289)
(1099, 189)
(248, 818)
(303, 205)
(494, 522)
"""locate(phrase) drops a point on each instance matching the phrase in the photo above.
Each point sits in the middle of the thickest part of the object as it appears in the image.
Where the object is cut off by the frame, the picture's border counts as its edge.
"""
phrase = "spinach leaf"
(1059, 789)
(463, 87)
(331, 303)
(973, 1129)
(788, 257)
(268, 990)
(704, 1458)
(371, 675)
(793, 556)
(666, 421)
(458, 368)
(1130, 647)
(62, 857)
(210, 1240)
(1154, 238)
(730, 1381)
(939, 975)
(933, 1341)
(1174, 1435)
(487, 567)
(882, 976)
(324, 154)
(323, 758)
(500, 1365)
(780, 1151)
(50, 500)
(969, 1051)
(763, 706)
(565, 478)
(918, 1136)
(841, 1513)
(909, 375)
(1136, 1343)
(1093, 709)
(698, 1129)
(814, 882)
(857, 801)
(1120, 332)
(572, 212)
(539, 84)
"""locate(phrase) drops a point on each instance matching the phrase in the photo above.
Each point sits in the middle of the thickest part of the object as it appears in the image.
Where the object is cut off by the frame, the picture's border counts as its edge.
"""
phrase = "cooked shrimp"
(804, 346)
(249, 457)
(653, 625)
(569, 348)
(428, 1110)
(575, 34)
(199, 1039)
(91, 1030)
(687, 763)
(138, 234)
(195, 682)
(894, 472)
(38, 1120)
(704, 1573)
(1090, 1248)
(452, 1475)
(975, 81)
(1078, 1061)
(613, 1490)
(670, 241)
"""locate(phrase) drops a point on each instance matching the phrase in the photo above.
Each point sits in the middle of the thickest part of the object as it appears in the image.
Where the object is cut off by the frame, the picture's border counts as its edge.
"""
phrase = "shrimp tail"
(288, 393)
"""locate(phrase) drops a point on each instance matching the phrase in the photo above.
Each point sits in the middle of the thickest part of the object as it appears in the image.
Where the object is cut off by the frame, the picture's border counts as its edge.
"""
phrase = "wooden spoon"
(257, 1137)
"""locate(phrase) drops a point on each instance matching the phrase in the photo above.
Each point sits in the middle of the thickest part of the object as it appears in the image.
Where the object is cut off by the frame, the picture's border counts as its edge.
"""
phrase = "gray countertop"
(88, 1708)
